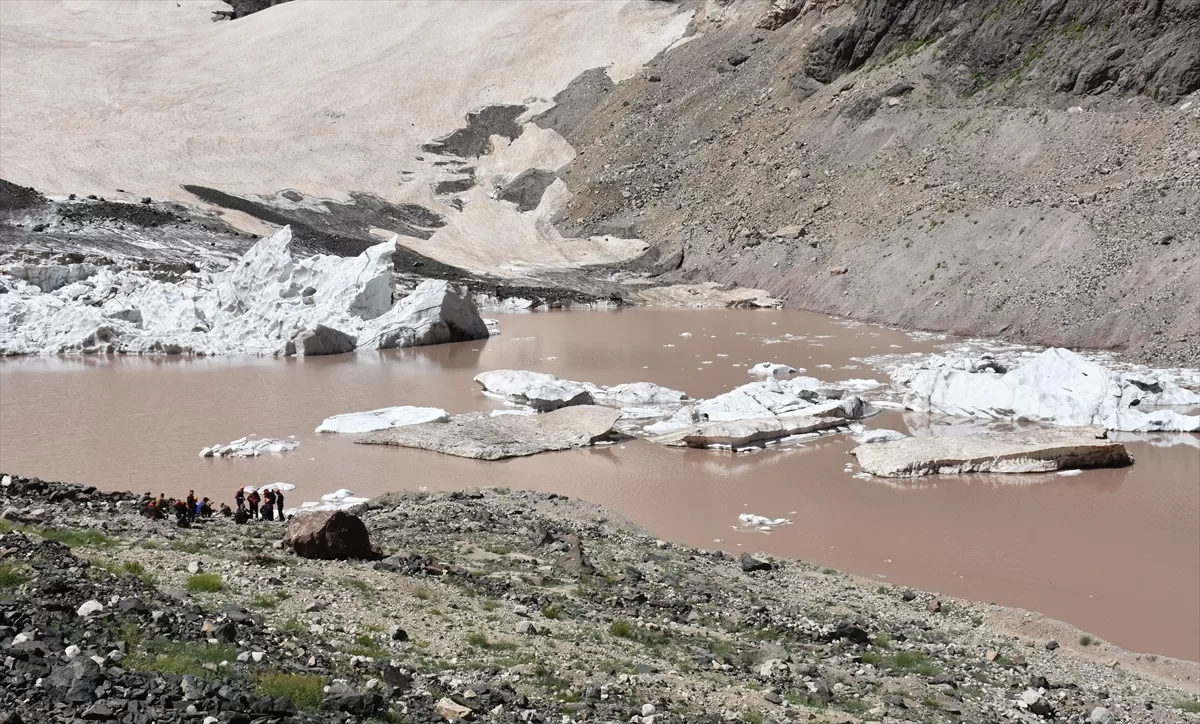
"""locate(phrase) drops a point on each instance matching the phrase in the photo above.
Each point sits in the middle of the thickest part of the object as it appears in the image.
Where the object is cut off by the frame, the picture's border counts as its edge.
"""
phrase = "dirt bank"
(931, 168)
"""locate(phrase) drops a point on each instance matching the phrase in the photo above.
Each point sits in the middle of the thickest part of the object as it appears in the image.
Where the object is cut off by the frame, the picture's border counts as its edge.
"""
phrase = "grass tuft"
(205, 583)
(621, 629)
(178, 658)
(11, 576)
(304, 690)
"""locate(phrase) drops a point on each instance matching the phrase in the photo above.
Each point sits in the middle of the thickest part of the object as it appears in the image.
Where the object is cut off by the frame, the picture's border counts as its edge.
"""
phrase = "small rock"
(991, 655)
(528, 628)
(648, 709)
(71, 652)
(452, 710)
(90, 607)
(751, 563)
(934, 606)
(397, 634)
(1051, 645)
(1100, 715)
(194, 567)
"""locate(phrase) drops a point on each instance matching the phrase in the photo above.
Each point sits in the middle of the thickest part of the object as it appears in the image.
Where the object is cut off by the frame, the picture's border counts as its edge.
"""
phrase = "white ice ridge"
(381, 419)
(268, 302)
(1057, 386)
(244, 447)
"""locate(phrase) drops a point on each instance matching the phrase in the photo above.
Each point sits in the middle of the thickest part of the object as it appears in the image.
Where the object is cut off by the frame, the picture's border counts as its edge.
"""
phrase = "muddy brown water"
(1115, 552)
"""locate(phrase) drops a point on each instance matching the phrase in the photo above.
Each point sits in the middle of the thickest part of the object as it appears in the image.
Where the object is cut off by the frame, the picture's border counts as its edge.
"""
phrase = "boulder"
(751, 563)
(329, 535)
(381, 419)
(487, 437)
(75, 682)
(452, 711)
(1035, 451)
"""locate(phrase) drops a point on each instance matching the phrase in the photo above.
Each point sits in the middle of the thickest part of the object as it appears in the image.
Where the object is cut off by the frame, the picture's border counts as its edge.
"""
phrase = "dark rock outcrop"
(527, 188)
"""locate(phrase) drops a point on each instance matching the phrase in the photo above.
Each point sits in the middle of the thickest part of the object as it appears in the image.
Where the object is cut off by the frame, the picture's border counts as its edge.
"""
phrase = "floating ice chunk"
(859, 385)
(244, 447)
(280, 486)
(759, 521)
(873, 436)
(686, 334)
(381, 419)
(773, 369)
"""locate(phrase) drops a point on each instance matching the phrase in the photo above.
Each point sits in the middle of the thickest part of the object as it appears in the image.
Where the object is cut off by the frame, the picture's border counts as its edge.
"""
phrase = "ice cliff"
(268, 302)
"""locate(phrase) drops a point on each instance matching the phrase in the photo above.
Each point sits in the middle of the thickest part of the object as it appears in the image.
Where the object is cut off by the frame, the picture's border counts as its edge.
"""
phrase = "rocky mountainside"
(505, 607)
(1008, 168)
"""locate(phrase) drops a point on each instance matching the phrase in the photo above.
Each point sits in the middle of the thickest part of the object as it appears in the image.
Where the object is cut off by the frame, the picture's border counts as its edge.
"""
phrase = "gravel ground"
(549, 608)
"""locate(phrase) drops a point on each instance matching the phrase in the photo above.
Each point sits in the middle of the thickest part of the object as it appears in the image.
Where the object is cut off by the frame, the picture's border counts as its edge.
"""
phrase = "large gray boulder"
(329, 535)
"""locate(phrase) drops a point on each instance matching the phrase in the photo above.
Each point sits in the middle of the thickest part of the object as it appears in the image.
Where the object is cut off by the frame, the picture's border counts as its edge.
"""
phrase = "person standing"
(240, 498)
(268, 508)
(191, 505)
(279, 503)
(252, 501)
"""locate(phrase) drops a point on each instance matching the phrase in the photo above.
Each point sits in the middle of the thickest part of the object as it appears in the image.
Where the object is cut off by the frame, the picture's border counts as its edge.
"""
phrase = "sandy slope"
(321, 97)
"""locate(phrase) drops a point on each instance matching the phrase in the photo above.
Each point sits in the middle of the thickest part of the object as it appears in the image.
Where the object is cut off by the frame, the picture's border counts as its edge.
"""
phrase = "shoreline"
(677, 601)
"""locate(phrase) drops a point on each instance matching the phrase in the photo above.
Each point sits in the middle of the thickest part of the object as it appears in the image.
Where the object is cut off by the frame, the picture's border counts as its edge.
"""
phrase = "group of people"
(185, 510)
(254, 505)
(250, 506)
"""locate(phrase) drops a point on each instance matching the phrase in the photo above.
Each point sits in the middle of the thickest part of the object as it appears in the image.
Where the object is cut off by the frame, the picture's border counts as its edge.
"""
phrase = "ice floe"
(381, 419)
(245, 447)
(1057, 386)
(763, 523)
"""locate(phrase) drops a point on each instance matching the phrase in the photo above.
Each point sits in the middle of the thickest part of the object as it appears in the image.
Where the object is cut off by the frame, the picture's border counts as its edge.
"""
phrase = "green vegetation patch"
(903, 662)
(12, 576)
(205, 583)
(180, 658)
(305, 691)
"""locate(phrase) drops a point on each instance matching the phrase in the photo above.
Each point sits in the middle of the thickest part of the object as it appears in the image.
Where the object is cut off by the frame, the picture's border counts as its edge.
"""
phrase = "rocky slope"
(498, 606)
(1029, 170)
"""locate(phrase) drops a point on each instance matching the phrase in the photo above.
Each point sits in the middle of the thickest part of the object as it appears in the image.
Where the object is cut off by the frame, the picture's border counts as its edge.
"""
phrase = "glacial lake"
(1115, 552)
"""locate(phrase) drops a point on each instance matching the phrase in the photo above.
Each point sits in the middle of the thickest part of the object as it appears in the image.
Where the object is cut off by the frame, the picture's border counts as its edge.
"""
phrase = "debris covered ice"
(270, 302)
